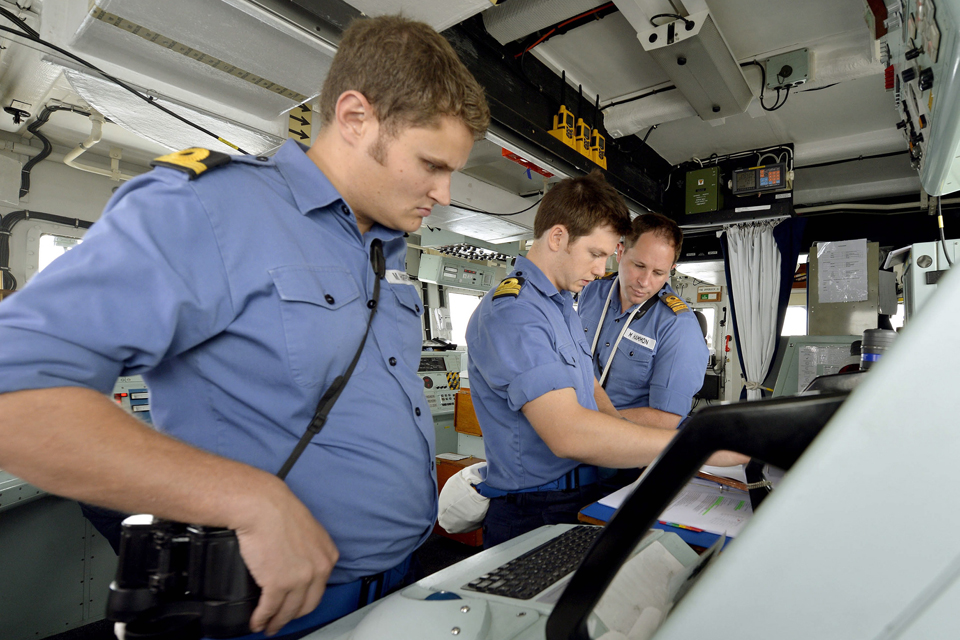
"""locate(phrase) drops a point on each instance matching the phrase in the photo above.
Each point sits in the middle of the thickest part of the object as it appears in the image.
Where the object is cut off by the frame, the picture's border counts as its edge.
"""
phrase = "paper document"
(638, 599)
(701, 505)
(738, 473)
(615, 499)
(452, 456)
(842, 271)
(708, 508)
(821, 360)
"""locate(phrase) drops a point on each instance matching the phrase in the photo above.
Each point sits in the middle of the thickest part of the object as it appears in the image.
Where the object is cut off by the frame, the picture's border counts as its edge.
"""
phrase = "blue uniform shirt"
(521, 348)
(662, 371)
(240, 296)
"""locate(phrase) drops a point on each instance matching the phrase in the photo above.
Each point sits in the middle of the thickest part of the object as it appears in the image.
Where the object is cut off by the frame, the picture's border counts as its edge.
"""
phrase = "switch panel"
(927, 87)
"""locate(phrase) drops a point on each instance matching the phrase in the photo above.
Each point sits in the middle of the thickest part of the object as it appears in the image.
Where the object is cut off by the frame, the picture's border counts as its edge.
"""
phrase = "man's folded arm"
(650, 417)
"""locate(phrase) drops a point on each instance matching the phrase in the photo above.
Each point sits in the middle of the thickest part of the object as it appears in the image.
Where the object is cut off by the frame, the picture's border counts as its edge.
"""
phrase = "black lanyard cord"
(330, 396)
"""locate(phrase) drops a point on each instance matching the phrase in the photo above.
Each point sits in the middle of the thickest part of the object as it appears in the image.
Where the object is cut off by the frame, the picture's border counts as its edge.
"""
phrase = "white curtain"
(755, 288)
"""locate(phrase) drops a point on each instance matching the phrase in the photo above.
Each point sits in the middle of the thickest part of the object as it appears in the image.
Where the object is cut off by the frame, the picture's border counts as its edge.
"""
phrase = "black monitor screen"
(432, 364)
(746, 180)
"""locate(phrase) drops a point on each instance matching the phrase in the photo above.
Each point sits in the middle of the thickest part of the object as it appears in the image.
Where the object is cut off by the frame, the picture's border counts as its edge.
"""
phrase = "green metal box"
(703, 192)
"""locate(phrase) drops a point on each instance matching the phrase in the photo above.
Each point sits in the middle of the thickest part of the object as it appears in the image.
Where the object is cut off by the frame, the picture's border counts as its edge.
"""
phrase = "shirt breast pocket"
(409, 325)
(568, 353)
(632, 365)
(322, 319)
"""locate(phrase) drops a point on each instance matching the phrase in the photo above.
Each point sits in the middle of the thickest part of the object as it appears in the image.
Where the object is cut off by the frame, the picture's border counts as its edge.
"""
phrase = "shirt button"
(585, 330)
(417, 307)
(344, 210)
(328, 298)
(519, 273)
(393, 362)
(262, 158)
(617, 320)
(631, 353)
(417, 411)
(608, 344)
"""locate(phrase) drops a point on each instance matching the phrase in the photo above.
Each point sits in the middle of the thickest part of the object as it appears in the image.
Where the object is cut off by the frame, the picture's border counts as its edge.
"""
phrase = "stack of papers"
(700, 506)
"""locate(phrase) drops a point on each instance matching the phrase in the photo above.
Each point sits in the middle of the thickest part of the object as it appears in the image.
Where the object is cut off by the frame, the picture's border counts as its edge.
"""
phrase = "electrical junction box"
(454, 272)
(703, 190)
(788, 69)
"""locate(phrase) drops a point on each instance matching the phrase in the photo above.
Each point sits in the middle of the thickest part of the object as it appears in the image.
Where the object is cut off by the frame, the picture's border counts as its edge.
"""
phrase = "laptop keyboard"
(529, 574)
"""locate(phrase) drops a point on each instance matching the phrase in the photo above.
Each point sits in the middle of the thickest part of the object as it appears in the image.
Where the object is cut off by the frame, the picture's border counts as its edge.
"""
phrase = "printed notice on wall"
(842, 271)
(821, 361)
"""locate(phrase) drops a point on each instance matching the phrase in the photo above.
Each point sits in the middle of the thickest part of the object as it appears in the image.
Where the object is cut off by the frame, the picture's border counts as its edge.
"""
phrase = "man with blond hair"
(241, 288)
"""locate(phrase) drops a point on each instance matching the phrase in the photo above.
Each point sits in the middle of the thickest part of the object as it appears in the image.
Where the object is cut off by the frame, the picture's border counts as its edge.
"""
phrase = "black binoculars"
(181, 581)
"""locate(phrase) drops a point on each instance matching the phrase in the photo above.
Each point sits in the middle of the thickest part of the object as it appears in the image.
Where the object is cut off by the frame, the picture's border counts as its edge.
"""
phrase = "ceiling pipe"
(919, 206)
(96, 132)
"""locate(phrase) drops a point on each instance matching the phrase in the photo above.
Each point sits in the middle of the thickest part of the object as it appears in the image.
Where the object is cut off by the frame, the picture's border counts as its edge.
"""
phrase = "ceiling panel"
(605, 56)
(754, 27)
(439, 14)
(857, 106)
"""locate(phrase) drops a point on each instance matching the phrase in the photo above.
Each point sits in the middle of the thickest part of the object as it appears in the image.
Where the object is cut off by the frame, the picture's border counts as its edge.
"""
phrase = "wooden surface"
(588, 520)
(464, 416)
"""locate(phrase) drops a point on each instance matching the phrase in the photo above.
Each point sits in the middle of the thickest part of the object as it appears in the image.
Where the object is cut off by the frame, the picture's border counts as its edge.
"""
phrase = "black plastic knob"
(926, 79)
(912, 53)
(908, 74)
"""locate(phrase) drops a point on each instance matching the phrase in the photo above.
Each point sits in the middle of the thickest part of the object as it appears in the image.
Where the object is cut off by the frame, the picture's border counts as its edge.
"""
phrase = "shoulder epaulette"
(193, 161)
(509, 287)
(676, 304)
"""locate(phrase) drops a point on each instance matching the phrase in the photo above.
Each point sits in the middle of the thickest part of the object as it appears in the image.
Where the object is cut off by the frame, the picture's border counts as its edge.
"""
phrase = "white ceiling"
(854, 117)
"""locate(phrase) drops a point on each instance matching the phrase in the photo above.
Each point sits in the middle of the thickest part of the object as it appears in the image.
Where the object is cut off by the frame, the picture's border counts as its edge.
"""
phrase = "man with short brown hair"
(408, 72)
(647, 348)
(240, 287)
(546, 422)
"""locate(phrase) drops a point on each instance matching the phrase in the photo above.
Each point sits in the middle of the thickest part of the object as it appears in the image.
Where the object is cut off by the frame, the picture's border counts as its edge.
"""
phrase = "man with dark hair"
(648, 351)
(241, 288)
(546, 422)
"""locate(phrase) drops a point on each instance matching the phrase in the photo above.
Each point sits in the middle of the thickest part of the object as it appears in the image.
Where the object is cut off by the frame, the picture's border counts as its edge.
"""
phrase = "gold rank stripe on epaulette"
(192, 161)
(453, 380)
(676, 304)
(509, 287)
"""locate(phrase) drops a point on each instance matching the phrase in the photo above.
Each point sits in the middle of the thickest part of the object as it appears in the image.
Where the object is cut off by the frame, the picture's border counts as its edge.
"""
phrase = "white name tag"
(641, 340)
(395, 276)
